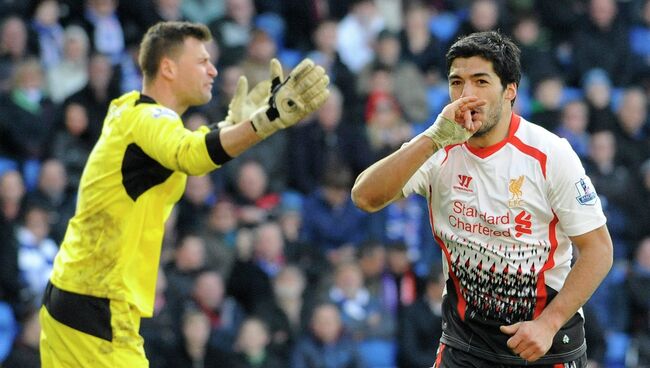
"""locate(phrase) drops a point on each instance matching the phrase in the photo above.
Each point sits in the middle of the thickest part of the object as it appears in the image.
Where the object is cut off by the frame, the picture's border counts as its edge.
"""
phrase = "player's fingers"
(260, 92)
(240, 91)
(276, 69)
(318, 100)
(316, 88)
(301, 70)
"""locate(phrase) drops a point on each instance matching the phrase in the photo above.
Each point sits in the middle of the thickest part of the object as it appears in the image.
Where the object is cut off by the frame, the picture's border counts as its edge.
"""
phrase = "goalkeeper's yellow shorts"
(83, 331)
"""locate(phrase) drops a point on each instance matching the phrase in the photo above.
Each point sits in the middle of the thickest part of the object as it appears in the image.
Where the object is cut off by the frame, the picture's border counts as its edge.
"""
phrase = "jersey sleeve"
(422, 178)
(571, 193)
(161, 135)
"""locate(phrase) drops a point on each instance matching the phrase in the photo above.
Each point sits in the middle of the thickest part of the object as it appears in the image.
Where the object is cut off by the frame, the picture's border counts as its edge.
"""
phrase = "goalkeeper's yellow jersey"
(134, 175)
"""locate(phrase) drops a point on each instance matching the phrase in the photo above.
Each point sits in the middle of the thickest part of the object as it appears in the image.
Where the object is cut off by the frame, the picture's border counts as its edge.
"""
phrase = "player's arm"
(290, 100)
(595, 255)
(532, 339)
(382, 183)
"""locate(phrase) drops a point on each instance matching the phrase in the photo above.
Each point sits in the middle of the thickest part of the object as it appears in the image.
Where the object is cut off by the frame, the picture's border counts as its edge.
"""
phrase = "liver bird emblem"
(515, 187)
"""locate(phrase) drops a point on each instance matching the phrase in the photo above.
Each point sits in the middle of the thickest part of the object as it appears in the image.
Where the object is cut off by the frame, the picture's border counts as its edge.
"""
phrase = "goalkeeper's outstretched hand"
(245, 103)
(292, 99)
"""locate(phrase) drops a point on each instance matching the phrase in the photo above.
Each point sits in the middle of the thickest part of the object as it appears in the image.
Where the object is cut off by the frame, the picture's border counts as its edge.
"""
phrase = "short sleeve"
(421, 180)
(571, 193)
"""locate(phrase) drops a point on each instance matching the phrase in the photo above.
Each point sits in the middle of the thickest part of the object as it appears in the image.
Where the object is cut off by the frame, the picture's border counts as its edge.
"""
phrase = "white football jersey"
(503, 216)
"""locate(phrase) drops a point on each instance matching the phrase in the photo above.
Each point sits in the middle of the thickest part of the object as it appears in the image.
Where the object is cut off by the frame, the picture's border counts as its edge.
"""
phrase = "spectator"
(265, 161)
(400, 283)
(160, 331)
(372, 262)
(421, 324)
(387, 128)
(72, 143)
(256, 202)
(15, 47)
(25, 352)
(193, 349)
(232, 31)
(168, 10)
(598, 92)
(547, 101)
(302, 19)
(70, 74)
(326, 345)
(182, 271)
(220, 235)
(250, 280)
(632, 132)
(224, 313)
(194, 206)
(640, 38)
(603, 30)
(202, 11)
(357, 32)
(252, 346)
(331, 222)
(28, 116)
(96, 95)
(104, 28)
(48, 30)
(484, 15)
(573, 127)
(361, 313)
(259, 52)
(639, 293)
(12, 191)
(287, 314)
(328, 138)
(408, 85)
(52, 195)
(325, 54)
(537, 58)
(419, 46)
(36, 252)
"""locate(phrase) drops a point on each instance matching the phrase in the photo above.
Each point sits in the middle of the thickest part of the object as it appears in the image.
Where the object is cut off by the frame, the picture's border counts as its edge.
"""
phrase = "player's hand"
(455, 123)
(530, 340)
(292, 99)
(245, 103)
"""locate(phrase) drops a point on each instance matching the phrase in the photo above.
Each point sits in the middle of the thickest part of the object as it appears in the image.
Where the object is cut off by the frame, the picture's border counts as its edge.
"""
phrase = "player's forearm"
(383, 181)
(237, 138)
(593, 264)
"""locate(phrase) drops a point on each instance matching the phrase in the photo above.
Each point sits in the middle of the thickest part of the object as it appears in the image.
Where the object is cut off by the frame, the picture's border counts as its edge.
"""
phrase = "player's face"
(196, 73)
(475, 76)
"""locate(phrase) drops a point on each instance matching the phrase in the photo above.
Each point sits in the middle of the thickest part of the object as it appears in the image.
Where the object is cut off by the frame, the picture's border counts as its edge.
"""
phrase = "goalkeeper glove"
(303, 92)
(244, 103)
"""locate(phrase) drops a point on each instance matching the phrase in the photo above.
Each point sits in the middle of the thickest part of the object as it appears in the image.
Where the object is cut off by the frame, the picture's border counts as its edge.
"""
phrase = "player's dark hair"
(164, 40)
(491, 46)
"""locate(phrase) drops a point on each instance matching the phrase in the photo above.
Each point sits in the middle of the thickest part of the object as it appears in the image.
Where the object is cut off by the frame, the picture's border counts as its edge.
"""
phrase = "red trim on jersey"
(447, 149)
(559, 365)
(531, 151)
(489, 150)
(462, 304)
(439, 356)
(550, 263)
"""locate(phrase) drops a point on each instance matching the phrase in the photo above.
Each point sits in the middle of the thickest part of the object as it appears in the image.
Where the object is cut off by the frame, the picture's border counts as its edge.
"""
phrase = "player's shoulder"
(540, 138)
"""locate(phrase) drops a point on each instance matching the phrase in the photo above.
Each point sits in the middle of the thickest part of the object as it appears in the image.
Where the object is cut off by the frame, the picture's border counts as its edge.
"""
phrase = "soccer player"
(104, 275)
(507, 199)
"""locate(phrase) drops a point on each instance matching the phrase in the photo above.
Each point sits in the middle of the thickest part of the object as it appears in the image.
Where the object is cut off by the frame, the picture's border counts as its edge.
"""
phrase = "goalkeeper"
(104, 276)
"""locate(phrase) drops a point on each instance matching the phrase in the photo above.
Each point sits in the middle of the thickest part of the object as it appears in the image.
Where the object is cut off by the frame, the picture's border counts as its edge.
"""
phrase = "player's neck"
(164, 95)
(498, 132)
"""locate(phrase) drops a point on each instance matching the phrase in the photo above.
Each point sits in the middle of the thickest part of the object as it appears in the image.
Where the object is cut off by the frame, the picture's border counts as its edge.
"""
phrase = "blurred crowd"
(266, 262)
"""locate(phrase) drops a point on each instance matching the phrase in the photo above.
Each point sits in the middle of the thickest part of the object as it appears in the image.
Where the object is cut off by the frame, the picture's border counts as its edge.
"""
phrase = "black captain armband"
(215, 149)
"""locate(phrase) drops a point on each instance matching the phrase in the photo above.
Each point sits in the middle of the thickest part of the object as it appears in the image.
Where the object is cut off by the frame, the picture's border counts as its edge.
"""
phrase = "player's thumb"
(510, 329)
